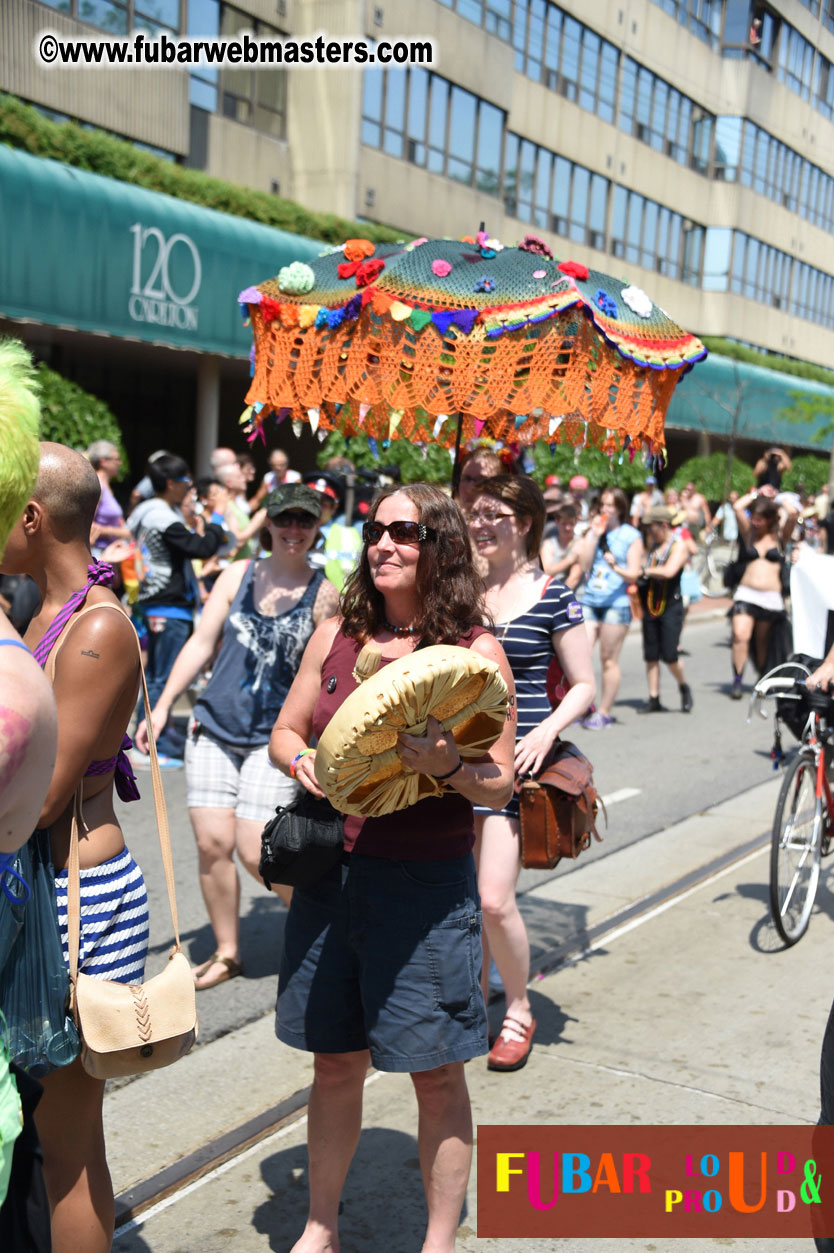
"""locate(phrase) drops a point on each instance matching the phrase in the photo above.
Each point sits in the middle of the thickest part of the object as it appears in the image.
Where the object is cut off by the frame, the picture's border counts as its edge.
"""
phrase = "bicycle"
(710, 561)
(803, 822)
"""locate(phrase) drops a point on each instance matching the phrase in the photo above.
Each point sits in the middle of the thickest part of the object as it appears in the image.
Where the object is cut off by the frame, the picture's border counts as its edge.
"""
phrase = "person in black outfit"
(659, 588)
(770, 467)
(168, 592)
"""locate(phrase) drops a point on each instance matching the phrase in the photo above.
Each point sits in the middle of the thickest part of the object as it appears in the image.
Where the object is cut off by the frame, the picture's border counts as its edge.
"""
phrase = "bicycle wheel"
(795, 849)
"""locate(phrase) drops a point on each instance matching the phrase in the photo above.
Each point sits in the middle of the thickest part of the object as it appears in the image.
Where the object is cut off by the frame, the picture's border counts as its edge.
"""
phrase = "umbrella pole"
(456, 466)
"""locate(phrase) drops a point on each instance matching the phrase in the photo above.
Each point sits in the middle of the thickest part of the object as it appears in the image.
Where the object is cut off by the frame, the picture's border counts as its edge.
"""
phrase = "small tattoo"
(88, 652)
(331, 684)
(511, 709)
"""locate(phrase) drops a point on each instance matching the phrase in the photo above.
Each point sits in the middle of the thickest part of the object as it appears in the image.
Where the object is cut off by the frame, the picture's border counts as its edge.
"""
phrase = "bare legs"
(333, 1127)
(498, 859)
(611, 639)
(219, 833)
(444, 1141)
(69, 1123)
(747, 631)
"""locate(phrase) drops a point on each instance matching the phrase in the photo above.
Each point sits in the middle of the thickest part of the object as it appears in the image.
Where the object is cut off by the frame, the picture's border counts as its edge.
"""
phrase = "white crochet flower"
(637, 300)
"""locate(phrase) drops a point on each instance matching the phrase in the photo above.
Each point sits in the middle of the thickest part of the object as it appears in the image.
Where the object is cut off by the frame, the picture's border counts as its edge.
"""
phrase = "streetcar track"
(139, 1202)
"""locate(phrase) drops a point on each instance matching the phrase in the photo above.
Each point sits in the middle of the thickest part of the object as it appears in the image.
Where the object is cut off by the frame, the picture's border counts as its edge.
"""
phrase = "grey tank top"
(258, 660)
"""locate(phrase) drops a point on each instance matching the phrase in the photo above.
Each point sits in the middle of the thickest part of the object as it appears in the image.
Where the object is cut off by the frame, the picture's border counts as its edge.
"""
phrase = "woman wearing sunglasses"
(381, 956)
(536, 618)
(263, 613)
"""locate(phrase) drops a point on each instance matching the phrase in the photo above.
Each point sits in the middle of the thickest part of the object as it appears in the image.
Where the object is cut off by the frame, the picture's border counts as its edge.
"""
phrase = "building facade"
(687, 145)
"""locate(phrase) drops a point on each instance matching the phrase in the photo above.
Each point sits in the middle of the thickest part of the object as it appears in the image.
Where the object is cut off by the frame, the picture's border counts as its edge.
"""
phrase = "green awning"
(100, 255)
(720, 391)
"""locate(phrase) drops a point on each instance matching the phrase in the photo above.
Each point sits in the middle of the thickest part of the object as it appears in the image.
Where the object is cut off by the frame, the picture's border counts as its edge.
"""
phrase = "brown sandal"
(233, 969)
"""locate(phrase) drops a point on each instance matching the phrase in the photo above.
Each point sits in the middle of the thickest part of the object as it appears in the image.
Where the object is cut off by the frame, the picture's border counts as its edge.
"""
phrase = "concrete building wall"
(150, 106)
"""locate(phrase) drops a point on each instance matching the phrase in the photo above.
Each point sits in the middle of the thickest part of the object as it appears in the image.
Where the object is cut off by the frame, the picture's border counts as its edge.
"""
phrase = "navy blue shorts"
(386, 955)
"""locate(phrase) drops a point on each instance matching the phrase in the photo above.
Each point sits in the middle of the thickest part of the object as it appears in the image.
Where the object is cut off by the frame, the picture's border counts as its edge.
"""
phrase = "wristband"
(439, 777)
(297, 759)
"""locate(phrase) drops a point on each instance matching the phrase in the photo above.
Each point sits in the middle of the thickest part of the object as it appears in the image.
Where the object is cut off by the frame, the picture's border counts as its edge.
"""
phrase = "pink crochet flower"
(441, 268)
(532, 243)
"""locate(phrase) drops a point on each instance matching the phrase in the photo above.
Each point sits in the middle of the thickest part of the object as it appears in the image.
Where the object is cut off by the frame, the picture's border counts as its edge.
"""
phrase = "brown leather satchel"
(559, 808)
(126, 1029)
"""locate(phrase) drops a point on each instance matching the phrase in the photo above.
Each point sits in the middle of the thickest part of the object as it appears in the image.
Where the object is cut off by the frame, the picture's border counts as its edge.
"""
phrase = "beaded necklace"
(400, 632)
(657, 608)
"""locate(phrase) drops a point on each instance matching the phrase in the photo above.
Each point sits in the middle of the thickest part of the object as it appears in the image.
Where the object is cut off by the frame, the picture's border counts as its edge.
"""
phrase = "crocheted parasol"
(436, 340)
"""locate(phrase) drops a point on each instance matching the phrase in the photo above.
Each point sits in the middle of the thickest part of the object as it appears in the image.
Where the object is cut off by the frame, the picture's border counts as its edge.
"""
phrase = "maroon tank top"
(438, 828)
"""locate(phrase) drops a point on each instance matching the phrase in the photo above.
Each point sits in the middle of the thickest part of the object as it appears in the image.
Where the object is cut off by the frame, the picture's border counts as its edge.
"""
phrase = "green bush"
(808, 472)
(430, 464)
(22, 126)
(592, 462)
(708, 475)
(71, 416)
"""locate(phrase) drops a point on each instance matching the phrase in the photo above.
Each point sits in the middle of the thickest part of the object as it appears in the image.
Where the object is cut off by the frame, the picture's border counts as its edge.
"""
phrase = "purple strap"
(98, 572)
(125, 779)
(6, 868)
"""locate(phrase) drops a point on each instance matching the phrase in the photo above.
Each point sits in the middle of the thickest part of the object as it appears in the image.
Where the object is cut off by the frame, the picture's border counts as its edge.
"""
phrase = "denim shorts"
(608, 615)
(386, 955)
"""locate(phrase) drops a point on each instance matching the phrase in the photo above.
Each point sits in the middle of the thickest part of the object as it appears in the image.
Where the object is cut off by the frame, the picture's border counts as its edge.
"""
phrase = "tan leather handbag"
(127, 1029)
(558, 809)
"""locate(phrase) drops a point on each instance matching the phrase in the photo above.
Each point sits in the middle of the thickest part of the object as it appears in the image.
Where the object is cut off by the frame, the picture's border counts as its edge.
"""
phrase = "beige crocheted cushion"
(357, 763)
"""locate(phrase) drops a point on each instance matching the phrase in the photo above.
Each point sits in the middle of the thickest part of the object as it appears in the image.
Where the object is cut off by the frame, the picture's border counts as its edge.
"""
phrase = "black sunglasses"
(287, 518)
(400, 532)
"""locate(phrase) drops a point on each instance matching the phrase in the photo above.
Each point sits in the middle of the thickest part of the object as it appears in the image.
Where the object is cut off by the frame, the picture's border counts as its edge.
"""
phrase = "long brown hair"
(524, 497)
(449, 591)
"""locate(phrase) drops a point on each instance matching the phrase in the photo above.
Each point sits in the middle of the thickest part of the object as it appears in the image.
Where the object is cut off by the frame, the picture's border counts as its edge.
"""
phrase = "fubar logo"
(155, 296)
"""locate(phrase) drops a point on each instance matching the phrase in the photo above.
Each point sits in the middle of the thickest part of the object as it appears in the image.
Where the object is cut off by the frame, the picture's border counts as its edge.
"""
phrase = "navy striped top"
(527, 641)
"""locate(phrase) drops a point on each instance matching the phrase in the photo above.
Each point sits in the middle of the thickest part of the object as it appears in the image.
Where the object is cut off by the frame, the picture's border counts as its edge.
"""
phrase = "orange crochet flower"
(357, 249)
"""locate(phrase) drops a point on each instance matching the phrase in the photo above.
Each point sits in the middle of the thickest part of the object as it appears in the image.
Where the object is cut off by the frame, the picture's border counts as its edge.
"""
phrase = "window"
(728, 132)
(717, 249)
(553, 193)
(417, 116)
(795, 61)
(255, 99)
(701, 17)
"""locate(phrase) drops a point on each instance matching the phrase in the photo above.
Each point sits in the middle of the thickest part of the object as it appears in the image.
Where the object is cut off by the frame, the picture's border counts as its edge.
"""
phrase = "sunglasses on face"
(400, 532)
(305, 520)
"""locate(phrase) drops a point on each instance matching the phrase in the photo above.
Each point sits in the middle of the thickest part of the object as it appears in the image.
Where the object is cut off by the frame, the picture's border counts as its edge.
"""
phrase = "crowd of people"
(261, 597)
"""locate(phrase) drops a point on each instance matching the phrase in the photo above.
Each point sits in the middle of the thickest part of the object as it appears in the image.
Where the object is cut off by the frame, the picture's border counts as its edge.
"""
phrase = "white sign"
(812, 603)
(155, 299)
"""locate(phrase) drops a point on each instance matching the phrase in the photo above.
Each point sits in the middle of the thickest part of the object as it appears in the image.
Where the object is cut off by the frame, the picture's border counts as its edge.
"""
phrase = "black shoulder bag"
(302, 842)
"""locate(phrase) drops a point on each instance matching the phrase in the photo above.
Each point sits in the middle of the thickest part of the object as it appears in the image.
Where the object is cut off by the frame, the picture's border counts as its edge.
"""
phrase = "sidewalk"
(688, 1013)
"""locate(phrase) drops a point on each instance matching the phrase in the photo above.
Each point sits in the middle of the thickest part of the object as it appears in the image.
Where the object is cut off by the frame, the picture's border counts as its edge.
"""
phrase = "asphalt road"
(655, 770)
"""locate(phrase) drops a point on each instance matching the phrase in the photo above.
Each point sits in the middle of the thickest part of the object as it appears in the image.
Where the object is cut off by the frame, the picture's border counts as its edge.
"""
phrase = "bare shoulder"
(322, 639)
(327, 601)
(487, 645)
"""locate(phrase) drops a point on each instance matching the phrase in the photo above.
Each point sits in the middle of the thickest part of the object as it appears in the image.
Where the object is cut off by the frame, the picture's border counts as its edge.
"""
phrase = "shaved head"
(69, 491)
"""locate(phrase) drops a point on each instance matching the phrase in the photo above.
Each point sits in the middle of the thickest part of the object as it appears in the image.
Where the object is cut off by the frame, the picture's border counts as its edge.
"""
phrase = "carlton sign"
(166, 279)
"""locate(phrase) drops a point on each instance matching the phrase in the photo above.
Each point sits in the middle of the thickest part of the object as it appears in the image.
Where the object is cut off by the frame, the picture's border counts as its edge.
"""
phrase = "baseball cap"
(651, 481)
(324, 483)
(578, 483)
(293, 496)
(658, 513)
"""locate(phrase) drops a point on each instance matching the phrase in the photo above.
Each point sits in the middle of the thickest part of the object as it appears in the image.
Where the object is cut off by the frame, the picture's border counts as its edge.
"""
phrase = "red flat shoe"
(512, 1054)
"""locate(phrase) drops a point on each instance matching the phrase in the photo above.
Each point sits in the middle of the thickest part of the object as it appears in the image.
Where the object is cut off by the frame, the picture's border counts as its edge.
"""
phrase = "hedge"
(23, 126)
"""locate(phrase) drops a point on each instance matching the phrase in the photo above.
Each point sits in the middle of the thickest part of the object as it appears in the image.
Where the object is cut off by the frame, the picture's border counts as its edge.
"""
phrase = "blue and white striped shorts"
(114, 919)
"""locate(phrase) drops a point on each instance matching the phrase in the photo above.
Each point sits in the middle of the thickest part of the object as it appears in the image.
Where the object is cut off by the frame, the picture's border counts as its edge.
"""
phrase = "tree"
(808, 472)
(592, 462)
(709, 474)
(71, 416)
(417, 463)
(808, 410)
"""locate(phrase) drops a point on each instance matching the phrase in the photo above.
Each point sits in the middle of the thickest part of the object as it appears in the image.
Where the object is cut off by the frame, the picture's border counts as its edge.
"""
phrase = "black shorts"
(661, 636)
